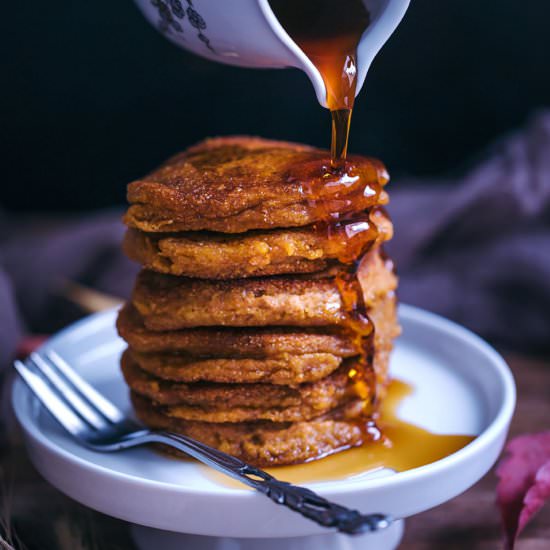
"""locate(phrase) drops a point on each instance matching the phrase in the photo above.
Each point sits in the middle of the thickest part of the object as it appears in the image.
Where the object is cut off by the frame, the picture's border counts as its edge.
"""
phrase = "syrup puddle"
(403, 447)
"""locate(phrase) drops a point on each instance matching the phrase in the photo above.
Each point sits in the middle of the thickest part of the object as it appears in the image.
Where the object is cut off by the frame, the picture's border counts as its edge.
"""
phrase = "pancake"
(229, 342)
(242, 402)
(235, 184)
(283, 370)
(167, 303)
(257, 253)
(265, 443)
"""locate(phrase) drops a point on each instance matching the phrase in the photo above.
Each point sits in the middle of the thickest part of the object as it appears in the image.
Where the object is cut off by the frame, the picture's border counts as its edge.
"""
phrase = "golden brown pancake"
(167, 303)
(229, 342)
(242, 402)
(234, 184)
(286, 370)
(283, 369)
(255, 253)
(266, 443)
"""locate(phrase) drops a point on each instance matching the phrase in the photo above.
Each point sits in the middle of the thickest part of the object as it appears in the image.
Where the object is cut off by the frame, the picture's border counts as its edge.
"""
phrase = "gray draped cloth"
(475, 249)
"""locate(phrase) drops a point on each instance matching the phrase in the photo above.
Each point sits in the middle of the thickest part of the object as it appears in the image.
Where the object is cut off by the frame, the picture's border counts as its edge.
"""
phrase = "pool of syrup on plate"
(403, 446)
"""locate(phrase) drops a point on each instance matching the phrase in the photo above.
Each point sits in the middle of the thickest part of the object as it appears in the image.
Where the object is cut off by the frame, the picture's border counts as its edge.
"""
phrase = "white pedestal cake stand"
(462, 386)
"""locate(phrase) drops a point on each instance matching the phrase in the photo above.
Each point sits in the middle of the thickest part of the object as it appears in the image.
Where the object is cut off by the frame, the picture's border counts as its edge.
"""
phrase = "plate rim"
(409, 313)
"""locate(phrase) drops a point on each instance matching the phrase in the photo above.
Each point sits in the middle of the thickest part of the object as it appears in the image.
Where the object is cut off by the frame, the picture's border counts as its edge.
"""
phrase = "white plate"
(461, 386)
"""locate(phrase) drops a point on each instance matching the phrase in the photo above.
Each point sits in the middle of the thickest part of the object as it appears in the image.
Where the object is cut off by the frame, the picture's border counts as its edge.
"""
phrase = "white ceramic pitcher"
(247, 33)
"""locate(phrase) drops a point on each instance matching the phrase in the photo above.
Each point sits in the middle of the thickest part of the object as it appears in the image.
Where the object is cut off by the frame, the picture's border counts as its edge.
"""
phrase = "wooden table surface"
(46, 519)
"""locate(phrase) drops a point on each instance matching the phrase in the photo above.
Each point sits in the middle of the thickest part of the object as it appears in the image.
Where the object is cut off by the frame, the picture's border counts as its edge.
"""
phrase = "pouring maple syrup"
(328, 32)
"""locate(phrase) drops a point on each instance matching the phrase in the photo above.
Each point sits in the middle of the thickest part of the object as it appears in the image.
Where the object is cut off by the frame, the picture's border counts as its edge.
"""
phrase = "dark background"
(93, 96)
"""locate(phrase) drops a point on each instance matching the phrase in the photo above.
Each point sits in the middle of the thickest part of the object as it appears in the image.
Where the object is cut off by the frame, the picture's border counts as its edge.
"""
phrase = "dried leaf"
(536, 496)
(524, 482)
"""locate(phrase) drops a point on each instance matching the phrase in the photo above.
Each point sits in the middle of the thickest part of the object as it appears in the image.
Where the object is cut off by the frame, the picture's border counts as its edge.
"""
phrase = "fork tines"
(66, 395)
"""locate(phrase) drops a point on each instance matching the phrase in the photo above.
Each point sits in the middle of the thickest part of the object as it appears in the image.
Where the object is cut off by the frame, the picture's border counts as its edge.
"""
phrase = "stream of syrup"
(402, 447)
(328, 32)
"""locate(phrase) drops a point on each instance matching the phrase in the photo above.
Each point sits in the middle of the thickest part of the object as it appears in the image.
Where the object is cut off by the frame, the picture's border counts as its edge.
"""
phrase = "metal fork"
(99, 425)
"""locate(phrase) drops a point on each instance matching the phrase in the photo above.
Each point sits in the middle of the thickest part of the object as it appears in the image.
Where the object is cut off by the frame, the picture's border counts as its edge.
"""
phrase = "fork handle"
(304, 501)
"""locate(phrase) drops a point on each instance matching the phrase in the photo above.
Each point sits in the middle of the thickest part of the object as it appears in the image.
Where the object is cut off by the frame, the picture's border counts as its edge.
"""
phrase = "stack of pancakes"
(239, 334)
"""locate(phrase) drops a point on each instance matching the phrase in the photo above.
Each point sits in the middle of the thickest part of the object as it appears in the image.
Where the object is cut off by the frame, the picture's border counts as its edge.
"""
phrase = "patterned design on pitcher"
(172, 13)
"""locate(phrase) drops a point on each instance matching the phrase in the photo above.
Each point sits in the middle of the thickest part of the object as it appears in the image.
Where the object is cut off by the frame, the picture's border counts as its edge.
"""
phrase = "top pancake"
(235, 184)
